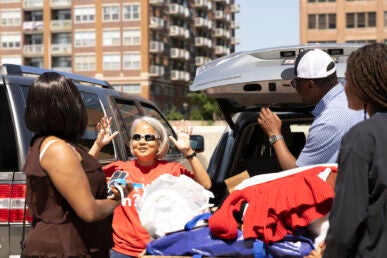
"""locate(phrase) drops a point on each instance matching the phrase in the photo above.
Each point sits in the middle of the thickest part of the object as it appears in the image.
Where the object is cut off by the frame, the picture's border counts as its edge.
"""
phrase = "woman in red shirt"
(149, 143)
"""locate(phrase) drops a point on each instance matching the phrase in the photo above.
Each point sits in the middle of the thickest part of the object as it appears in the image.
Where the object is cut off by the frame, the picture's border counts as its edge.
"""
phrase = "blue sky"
(267, 23)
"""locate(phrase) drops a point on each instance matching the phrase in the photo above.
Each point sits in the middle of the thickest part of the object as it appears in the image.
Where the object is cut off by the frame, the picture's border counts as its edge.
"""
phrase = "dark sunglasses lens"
(150, 137)
(136, 137)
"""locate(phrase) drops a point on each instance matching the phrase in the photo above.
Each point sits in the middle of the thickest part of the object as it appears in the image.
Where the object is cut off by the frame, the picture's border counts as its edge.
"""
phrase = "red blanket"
(275, 208)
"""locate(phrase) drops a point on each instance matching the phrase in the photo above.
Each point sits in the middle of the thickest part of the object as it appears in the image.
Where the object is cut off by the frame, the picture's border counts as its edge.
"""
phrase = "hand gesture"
(270, 122)
(104, 136)
(183, 131)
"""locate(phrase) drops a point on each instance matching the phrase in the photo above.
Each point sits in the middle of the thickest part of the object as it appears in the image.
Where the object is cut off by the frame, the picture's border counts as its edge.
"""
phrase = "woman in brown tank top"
(66, 188)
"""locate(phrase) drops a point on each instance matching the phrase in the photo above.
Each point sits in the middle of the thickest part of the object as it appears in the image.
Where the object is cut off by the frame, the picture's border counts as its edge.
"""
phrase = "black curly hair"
(367, 74)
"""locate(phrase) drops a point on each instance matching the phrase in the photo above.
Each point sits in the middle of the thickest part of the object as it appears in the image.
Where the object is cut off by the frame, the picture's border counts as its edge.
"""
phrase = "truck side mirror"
(197, 142)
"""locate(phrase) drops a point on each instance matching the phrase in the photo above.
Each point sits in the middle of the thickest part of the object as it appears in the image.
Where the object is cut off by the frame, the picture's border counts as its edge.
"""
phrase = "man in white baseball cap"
(314, 77)
(312, 64)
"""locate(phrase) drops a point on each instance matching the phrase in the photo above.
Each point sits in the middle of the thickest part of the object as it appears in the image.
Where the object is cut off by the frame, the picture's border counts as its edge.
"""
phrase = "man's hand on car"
(270, 122)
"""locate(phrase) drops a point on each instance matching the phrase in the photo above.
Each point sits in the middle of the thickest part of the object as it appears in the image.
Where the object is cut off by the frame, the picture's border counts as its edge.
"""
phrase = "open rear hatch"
(252, 79)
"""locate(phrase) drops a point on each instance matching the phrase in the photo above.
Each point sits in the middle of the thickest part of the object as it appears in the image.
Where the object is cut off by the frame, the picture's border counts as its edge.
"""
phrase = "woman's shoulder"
(47, 142)
(52, 139)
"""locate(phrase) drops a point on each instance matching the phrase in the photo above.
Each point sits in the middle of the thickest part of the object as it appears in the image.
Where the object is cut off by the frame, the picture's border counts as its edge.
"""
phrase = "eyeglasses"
(296, 82)
(147, 137)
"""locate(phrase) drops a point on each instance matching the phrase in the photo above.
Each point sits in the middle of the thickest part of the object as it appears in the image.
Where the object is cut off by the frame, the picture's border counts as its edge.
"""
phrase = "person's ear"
(311, 84)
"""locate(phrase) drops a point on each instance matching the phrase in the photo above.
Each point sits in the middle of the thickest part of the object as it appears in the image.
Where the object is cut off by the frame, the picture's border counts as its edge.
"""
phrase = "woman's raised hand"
(183, 130)
(104, 136)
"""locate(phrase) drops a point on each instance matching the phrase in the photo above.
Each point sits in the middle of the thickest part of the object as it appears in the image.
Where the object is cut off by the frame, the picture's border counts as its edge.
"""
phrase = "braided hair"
(367, 73)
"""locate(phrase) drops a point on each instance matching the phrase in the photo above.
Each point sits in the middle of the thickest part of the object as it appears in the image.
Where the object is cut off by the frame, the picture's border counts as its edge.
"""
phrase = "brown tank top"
(57, 231)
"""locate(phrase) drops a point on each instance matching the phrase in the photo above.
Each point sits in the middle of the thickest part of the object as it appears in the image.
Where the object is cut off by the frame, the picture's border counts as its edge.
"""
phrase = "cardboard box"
(233, 181)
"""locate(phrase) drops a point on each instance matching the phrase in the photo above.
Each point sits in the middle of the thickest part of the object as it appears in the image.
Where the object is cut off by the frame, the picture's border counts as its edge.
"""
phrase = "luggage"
(199, 242)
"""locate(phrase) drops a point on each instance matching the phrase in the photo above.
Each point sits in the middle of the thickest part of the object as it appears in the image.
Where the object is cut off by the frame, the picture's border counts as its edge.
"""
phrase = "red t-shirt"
(129, 236)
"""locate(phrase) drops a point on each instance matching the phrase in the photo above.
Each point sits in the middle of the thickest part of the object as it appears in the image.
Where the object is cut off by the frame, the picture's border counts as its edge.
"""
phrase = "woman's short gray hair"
(159, 128)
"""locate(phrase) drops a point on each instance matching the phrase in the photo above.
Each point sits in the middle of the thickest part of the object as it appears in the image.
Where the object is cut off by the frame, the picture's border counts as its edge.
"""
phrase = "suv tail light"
(5, 197)
(16, 210)
(12, 198)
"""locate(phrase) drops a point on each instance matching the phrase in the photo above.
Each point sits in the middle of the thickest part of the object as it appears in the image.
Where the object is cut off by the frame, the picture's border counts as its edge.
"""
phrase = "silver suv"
(100, 99)
(244, 82)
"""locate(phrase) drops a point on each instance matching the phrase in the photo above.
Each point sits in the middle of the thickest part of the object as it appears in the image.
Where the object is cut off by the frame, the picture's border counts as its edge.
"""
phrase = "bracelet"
(190, 156)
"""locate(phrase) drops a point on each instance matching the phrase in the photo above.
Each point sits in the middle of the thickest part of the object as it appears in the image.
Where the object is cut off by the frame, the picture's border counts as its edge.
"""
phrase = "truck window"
(8, 150)
(94, 114)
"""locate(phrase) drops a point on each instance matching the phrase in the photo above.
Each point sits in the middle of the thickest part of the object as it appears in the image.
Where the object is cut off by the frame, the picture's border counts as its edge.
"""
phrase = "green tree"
(203, 108)
(173, 114)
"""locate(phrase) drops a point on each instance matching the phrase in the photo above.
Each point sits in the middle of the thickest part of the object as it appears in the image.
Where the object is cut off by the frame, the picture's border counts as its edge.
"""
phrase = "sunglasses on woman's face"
(147, 137)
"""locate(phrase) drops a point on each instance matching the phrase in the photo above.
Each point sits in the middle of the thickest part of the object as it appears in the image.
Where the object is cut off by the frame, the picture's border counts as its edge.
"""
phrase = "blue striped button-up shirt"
(332, 120)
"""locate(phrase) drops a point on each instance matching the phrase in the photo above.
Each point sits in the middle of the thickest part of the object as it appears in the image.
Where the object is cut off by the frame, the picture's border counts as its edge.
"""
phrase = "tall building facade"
(343, 21)
(146, 47)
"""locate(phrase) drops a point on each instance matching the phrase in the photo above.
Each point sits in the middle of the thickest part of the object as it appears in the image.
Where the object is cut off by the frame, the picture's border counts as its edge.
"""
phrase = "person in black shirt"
(358, 219)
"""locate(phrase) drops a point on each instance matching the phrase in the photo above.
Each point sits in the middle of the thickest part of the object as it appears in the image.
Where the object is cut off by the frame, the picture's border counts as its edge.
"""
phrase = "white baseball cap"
(311, 64)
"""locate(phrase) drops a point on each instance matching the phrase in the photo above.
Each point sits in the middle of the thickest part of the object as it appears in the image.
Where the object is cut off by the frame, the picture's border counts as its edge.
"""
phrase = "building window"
(350, 20)
(11, 60)
(129, 88)
(131, 12)
(312, 21)
(84, 14)
(371, 19)
(157, 89)
(34, 16)
(84, 39)
(131, 37)
(332, 21)
(10, 18)
(111, 38)
(111, 13)
(320, 1)
(84, 62)
(10, 41)
(132, 61)
(34, 61)
(365, 41)
(322, 21)
(321, 41)
(361, 20)
(111, 62)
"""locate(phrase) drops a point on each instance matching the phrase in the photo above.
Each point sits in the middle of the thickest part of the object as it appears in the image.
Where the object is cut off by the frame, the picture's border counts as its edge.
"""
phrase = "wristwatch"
(274, 138)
